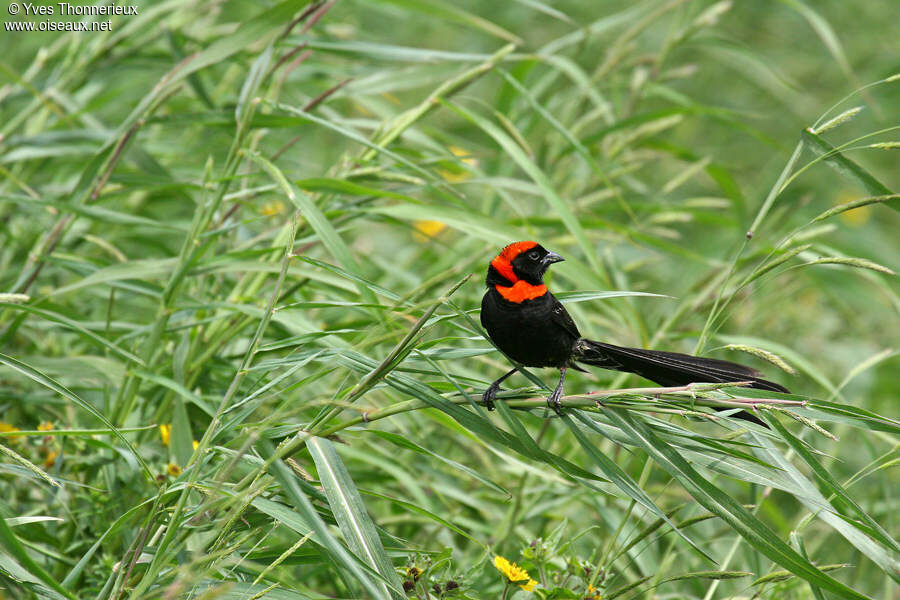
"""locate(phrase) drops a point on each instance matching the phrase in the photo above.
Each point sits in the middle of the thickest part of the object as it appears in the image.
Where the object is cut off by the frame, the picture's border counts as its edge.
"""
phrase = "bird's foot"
(554, 402)
(489, 395)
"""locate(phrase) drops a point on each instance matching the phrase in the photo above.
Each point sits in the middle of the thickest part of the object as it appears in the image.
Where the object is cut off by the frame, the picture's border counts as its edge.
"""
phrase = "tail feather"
(671, 368)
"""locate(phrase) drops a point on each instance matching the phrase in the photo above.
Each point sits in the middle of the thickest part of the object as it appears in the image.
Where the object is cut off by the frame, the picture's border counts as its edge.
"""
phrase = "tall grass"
(242, 252)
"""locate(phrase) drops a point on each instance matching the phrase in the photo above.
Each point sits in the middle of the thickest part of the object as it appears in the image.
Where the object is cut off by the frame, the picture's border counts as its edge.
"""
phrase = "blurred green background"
(153, 177)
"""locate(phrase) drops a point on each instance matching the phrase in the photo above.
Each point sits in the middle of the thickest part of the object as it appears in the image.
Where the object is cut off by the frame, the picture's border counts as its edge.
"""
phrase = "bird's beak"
(552, 257)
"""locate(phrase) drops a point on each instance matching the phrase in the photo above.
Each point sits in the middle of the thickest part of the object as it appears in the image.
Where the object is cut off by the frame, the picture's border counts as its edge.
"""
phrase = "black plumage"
(530, 325)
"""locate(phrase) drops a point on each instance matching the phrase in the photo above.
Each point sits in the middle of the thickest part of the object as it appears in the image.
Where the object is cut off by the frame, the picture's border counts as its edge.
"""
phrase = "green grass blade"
(72, 324)
(555, 202)
(350, 512)
(340, 556)
(60, 389)
(847, 167)
(620, 478)
(16, 550)
(833, 487)
(742, 521)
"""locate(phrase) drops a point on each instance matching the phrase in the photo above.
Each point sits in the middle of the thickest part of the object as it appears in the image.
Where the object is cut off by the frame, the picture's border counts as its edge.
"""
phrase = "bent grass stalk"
(686, 393)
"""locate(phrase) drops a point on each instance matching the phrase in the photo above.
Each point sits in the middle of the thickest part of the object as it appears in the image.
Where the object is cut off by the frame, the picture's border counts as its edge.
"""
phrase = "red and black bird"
(526, 322)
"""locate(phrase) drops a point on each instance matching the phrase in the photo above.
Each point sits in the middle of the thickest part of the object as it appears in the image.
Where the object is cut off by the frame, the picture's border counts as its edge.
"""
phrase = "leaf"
(342, 186)
(530, 446)
(453, 13)
(418, 509)
(780, 575)
(847, 167)
(468, 221)
(47, 382)
(615, 474)
(833, 487)
(350, 512)
(179, 389)
(715, 500)
(794, 358)
(584, 296)
(473, 422)
(14, 521)
(144, 269)
(556, 203)
(356, 137)
(829, 38)
(401, 441)
(75, 325)
(317, 220)
(14, 547)
(304, 514)
(96, 213)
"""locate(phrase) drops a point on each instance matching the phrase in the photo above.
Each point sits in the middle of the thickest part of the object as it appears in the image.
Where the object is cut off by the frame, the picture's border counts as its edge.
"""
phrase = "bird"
(528, 324)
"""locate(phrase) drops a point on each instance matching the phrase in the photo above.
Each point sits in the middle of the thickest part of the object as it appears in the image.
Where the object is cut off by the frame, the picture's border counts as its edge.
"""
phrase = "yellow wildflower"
(51, 459)
(165, 432)
(173, 470)
(270, 209)
(464, 155)
(45, 426)
(592, 593)
(428, 229)
(196, 443)
(857, 216)
(458, 174)
(8, 428)
(514, 573)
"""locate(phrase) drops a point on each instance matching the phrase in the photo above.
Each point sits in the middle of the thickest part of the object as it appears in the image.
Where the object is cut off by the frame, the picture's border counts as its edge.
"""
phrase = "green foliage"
(241, 257)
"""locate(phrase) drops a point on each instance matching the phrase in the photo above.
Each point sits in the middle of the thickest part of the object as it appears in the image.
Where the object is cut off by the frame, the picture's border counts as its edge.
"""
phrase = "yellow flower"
(514, 573)
(8, 428)
(164, 432)
(271, 209)
(457, 173)
(592, 593)
(857, 216)
(428, 229)
(196, 443)
(51, 459)
(173, 470)
(45, 426)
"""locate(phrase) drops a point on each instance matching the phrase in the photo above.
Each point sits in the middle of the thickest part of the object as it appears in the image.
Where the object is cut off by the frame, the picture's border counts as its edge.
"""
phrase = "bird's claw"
(554, 402)
(488, 398)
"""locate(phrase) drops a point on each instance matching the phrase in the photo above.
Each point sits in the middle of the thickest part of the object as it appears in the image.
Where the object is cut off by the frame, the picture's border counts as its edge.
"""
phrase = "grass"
(240, 266)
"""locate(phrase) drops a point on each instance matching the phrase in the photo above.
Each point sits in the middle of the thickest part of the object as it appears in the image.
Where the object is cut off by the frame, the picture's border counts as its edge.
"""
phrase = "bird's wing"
(560, 316)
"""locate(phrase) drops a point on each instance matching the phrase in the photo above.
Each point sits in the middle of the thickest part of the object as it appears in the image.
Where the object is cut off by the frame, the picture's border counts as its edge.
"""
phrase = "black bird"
(526, 322)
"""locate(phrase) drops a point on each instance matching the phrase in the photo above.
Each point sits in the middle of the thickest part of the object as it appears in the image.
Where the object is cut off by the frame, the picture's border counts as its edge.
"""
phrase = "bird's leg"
(553, 399)
(491, 392)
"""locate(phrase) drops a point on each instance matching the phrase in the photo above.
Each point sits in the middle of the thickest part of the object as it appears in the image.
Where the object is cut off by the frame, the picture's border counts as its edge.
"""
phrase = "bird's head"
(521, 261)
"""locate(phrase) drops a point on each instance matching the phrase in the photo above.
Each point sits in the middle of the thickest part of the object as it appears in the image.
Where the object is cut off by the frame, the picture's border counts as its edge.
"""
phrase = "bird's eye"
(534, 255)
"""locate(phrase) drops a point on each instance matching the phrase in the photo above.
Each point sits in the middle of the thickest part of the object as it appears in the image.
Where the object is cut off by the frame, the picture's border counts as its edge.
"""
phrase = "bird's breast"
(526, 331)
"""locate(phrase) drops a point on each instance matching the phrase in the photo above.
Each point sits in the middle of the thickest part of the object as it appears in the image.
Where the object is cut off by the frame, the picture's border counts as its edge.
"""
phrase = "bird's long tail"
(670, 368)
